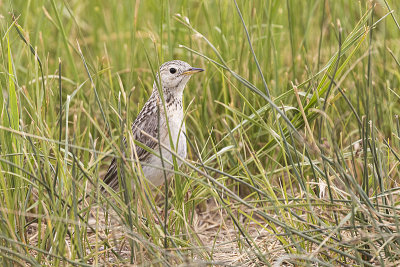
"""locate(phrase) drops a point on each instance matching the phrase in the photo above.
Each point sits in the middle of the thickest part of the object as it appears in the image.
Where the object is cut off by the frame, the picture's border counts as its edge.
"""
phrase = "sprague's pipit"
(151, 125)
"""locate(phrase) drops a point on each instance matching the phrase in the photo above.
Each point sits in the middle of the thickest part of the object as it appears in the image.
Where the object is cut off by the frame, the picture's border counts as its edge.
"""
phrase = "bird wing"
(145, 125)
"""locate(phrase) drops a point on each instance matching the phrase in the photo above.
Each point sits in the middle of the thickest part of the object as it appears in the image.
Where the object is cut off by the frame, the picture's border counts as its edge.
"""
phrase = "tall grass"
(293, 133)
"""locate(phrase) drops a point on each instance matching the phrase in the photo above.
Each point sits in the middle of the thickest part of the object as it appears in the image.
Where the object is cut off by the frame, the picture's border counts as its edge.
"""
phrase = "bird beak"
(192, 71)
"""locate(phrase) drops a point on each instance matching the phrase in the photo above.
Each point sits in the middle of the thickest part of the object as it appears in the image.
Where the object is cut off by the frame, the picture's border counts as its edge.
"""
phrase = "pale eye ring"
(172, 70)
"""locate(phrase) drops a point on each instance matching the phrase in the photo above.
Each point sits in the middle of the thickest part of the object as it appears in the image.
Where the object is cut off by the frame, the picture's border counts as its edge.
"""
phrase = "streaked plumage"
(174, 76)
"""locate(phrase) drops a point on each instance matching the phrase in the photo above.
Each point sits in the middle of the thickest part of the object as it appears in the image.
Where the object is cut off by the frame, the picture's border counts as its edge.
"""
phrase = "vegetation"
(293, 133)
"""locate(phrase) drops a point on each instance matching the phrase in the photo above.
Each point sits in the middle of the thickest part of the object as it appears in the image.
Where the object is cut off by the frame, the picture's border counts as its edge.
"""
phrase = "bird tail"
(111, 177)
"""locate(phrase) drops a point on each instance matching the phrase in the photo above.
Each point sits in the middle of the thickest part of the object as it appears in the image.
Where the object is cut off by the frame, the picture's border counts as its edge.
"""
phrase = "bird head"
(175, 74)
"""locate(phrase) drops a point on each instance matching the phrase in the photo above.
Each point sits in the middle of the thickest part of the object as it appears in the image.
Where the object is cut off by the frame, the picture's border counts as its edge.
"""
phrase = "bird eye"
(172, 70)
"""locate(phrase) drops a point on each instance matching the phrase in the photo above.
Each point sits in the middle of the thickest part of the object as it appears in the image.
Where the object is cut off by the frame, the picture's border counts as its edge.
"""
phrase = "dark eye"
(172, 70)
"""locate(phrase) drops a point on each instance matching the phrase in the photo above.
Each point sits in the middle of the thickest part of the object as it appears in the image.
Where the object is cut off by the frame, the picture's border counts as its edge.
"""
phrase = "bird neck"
(169, 94)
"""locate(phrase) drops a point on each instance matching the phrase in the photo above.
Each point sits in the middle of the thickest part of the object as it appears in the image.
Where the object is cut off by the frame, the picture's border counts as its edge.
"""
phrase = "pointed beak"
(192, 71)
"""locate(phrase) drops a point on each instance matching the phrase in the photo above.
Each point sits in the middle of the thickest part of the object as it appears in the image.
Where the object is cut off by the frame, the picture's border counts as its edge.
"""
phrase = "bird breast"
(177, 130)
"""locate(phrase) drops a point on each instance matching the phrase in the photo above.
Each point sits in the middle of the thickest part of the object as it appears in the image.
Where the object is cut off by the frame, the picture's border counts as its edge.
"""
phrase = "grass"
(293, 133)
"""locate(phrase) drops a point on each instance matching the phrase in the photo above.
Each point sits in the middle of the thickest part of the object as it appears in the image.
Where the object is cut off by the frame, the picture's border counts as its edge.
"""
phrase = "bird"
(151, 125)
